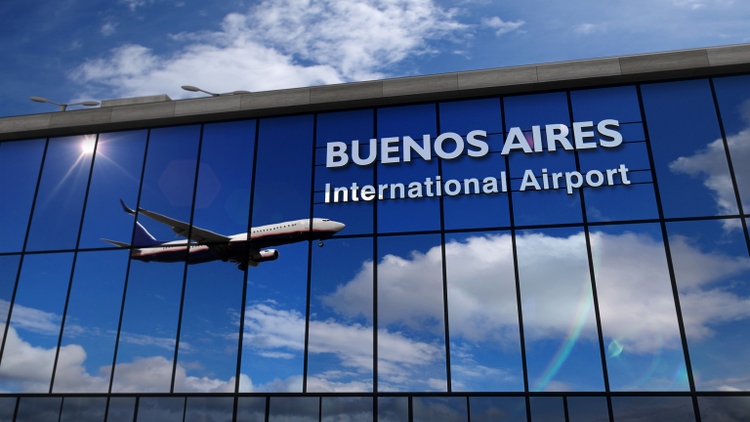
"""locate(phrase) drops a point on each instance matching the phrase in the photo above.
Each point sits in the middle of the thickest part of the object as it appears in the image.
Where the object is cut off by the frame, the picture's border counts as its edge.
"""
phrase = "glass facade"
(570, 256)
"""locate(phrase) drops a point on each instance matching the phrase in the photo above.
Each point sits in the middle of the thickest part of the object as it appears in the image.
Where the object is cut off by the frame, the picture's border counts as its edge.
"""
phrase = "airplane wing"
(183, 229)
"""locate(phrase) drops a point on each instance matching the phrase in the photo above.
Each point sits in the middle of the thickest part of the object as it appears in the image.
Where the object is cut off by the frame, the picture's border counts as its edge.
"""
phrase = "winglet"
(126, 208)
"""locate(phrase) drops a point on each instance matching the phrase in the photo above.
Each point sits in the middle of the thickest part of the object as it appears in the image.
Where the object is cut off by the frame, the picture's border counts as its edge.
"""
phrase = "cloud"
(108, 28)
(279, 44)
(710, 164)
(588, 28)
(632, 281)
(501, 27)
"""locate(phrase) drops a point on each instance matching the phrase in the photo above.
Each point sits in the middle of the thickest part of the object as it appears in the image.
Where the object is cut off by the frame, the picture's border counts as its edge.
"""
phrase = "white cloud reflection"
(637, 309)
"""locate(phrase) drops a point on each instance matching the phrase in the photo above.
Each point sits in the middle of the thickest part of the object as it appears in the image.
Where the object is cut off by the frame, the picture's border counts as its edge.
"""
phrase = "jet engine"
(265, 255)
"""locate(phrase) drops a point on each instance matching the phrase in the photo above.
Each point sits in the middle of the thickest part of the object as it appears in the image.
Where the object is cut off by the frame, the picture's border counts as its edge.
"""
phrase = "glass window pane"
(712, 266)
(207, 360)
(733, 95)
(587, 409)
(393, 409)
(349, 409)
(525, 170)
(483, 313)
(39, 409)
(408, 214)
(341, 322)
(504, 409)
(639, 320)
(116, 175)
(59, 203)
(724, 409)
(652, 409)
(161, 409)
(149, 322)
(547, 409)
(204, 409)
(688, 150)
(19, 162)
(439, 409)
(294, 409)
(121, 409)
(91, 321)
(343, 204)
(251, 409)
(7, 408)
(8, 272)
(31, 343)
(411, 334)
(562, 347)
(83, 409)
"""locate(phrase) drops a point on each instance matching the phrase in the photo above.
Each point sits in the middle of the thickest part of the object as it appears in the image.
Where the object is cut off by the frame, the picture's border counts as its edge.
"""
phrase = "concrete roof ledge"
(136, 100)
(207, 105)
(729, 55)
(661, 62)
(490, 78)
(432, 84)
(346, 92)
(276, 99)
(30, 122)
(578, 70)
(80, 117)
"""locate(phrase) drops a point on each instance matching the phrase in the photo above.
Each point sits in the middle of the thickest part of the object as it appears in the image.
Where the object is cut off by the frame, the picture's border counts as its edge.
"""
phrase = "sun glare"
(88, 144)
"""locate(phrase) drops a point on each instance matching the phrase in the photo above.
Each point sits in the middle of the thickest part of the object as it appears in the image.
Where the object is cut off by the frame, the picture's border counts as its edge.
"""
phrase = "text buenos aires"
(395, 150)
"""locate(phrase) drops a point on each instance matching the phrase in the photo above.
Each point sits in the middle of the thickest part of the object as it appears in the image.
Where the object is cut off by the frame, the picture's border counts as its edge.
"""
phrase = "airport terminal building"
(559, 242)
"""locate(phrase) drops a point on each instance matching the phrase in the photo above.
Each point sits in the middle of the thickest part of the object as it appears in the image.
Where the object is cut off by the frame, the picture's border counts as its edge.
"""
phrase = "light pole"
(63, 107)
(213, 94)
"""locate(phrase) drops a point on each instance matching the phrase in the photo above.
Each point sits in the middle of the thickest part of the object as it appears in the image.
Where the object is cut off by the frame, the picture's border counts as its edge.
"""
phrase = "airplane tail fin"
(143, 237)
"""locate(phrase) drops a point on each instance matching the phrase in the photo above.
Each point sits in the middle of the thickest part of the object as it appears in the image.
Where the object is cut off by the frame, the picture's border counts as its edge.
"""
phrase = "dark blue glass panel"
(298, 409)
(7, 408)
(209, 409)
(652, 409)
(619, 103)
(31, 342)
(411, 334)
(724, 409)
(439, 409)
(19, 162)
(547, 409)
(91, 321)
(712, 269)
(161, 409)
(482, 313)
(393, 409)
(634, 201)
(39, 409)
(503, 409)
(688, 151)
(562, 347)
(348, 208)
(121, 409)
(464, 116)
(340, 354)
(335, 409)
(525, 111)
(59, 203)
(251, 409)
(83, 409)
(474, 208)
(639, 320)
(587, 409)
(116, 175)
(284, 167)
(733, 95)
(408, 214)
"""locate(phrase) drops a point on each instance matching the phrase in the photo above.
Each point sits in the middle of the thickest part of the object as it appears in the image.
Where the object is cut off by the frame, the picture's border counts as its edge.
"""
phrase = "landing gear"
(320, 243)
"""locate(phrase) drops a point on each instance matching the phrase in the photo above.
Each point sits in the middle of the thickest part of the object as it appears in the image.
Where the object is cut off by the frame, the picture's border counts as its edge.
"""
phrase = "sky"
(74, 50)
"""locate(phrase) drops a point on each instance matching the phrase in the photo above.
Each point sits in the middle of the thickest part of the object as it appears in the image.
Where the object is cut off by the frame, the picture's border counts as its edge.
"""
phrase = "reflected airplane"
(204, 245)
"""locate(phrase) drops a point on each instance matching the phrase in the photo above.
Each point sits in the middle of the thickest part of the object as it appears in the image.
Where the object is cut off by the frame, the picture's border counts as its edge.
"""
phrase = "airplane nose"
(338, 226)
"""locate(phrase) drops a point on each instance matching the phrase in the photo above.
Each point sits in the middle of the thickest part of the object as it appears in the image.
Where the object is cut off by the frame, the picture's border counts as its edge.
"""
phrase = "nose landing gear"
(320, 243)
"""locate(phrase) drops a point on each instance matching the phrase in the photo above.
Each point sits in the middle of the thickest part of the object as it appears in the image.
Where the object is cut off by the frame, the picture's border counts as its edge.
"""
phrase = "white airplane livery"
(203, 245)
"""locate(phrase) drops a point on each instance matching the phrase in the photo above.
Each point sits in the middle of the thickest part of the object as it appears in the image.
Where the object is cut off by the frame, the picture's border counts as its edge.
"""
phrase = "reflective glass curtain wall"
(570, 255)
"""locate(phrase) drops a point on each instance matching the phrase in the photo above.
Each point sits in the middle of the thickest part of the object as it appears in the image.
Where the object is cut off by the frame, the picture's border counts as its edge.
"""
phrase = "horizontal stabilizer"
(116, 243)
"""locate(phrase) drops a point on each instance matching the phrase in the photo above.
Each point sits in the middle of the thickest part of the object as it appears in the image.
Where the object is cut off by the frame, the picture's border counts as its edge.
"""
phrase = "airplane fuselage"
(239, 249)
